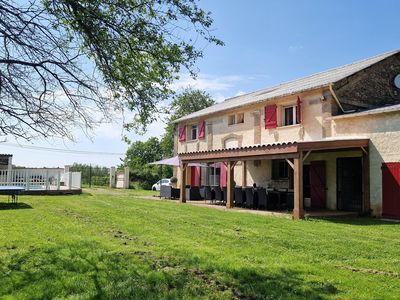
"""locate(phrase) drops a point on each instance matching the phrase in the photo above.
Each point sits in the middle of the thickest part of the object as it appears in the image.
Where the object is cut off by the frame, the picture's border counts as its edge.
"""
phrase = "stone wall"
(371, 87)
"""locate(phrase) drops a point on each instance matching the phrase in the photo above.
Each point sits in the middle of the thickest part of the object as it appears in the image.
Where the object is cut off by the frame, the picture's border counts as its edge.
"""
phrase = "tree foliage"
(64, 62)
(138, 157)
(188, 101)
(96, 175)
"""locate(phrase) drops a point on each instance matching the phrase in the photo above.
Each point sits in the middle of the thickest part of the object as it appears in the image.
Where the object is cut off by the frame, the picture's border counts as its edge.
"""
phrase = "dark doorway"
(306, 181)
(318, 184)
(391, 190)
(349, 183)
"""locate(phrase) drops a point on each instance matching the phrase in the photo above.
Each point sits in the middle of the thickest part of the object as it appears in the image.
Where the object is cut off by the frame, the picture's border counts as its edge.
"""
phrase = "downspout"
(338, 102)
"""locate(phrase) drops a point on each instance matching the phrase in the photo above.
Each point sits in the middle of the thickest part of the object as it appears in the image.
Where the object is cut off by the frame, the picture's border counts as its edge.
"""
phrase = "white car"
(158, 184)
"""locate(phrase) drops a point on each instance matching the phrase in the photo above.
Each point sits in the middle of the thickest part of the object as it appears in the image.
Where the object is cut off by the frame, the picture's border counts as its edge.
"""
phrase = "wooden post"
(298, 211)
(244, 173)
(230, 184)
(182, 180)
(365, 182)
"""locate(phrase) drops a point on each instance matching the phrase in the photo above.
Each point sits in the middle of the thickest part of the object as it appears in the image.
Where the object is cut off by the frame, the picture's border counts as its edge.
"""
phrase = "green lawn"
(107, 244)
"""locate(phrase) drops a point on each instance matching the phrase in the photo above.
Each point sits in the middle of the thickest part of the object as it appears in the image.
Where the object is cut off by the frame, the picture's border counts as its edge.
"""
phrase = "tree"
(139, 155)
(95, 175)
(188, 101)
(64, 62)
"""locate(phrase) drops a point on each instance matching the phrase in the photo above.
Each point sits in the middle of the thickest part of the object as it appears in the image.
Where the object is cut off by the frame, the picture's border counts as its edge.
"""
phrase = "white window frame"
(284, 115)
(193, 127)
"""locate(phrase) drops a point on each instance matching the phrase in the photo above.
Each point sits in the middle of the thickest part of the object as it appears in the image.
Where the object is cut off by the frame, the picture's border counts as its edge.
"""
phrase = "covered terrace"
(294, 153)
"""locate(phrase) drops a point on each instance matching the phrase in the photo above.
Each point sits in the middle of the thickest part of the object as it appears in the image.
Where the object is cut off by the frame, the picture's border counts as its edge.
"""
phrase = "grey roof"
(380, 110)
(311, 82)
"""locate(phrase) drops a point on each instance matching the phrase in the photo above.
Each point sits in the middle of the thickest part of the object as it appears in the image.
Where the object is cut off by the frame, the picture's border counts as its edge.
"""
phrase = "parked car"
(158, 184)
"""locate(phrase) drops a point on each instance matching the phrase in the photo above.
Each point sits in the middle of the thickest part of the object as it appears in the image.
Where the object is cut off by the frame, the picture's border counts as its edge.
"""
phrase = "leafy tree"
(188, 101)
(138, 157)
(63, 62)
(97, 175)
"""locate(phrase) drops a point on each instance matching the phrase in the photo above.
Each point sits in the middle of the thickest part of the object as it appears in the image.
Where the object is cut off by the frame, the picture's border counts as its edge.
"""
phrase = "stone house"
(333, 138)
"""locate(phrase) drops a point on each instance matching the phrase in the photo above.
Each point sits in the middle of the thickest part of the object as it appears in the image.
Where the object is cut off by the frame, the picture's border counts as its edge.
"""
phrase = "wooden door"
(391, 190)
(318, 184)
(349, 183)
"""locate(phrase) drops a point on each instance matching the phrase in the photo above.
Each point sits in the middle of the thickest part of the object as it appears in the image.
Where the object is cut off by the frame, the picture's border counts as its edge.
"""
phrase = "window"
(193, 132)
(280, 169)
(289, 117)
(236, 119)
(240, 118)
(231, 120)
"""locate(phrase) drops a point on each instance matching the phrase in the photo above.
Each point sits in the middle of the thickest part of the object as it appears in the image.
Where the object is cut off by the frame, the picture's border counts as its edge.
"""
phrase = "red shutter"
(202, 129)
(182, 133)
(298, 111)
(270, 116)
(223, 175)
(195, 176)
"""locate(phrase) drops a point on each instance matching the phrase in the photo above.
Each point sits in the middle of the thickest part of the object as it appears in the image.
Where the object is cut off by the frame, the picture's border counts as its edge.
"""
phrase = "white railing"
(40, 179)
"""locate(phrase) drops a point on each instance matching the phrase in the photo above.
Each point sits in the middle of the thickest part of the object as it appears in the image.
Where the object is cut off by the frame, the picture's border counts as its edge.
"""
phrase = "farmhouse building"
(332, 138)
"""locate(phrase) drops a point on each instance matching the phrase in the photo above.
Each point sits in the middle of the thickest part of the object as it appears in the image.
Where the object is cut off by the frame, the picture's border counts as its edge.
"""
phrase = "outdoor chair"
(290, 200)
(166, 191)
(175, 193)
(239, 196)
(208, 193)
(202, 192)
(224, 194)
(249, 197)
(262, 198)
(218, 194)
(194, 193)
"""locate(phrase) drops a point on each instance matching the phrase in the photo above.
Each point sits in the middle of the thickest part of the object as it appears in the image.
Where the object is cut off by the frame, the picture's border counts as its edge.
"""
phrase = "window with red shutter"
(270, 116)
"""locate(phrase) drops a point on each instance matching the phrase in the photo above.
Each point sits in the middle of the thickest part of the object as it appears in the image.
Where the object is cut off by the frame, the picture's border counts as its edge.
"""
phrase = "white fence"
(41, 179)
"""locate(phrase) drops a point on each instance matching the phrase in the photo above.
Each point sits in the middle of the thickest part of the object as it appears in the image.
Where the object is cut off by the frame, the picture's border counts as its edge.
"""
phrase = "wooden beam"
(230, 185)
(290, 163)
(189, 159)
(298, 211)
(182, 196)
(244, 173)
(365, 151)
(305, 156)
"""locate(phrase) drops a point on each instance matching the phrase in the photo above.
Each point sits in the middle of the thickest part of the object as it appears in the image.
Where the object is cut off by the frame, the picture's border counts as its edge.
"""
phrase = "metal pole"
(90, 175)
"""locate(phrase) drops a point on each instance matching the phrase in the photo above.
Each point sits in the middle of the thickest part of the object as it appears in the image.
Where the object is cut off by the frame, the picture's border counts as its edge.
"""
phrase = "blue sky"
(266, 43)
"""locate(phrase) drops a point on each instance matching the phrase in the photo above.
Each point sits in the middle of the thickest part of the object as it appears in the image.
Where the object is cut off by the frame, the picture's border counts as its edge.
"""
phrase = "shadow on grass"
(9, 206)
(359, 221)
(86, 270)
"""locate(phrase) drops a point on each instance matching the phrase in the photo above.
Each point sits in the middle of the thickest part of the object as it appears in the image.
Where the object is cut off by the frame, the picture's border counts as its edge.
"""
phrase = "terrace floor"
(321, 213)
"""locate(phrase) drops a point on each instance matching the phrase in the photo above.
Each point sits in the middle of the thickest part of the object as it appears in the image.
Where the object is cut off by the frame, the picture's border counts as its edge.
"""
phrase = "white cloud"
(295, 48)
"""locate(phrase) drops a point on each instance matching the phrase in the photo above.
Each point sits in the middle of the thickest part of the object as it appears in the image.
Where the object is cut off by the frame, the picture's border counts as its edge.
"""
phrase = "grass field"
(114, 245)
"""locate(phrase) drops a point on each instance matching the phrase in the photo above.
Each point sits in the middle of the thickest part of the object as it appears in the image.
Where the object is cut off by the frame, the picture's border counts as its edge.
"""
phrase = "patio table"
(12, 192)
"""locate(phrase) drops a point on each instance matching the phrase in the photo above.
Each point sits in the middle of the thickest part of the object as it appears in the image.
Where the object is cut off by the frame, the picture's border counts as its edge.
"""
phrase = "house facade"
(333, 138)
